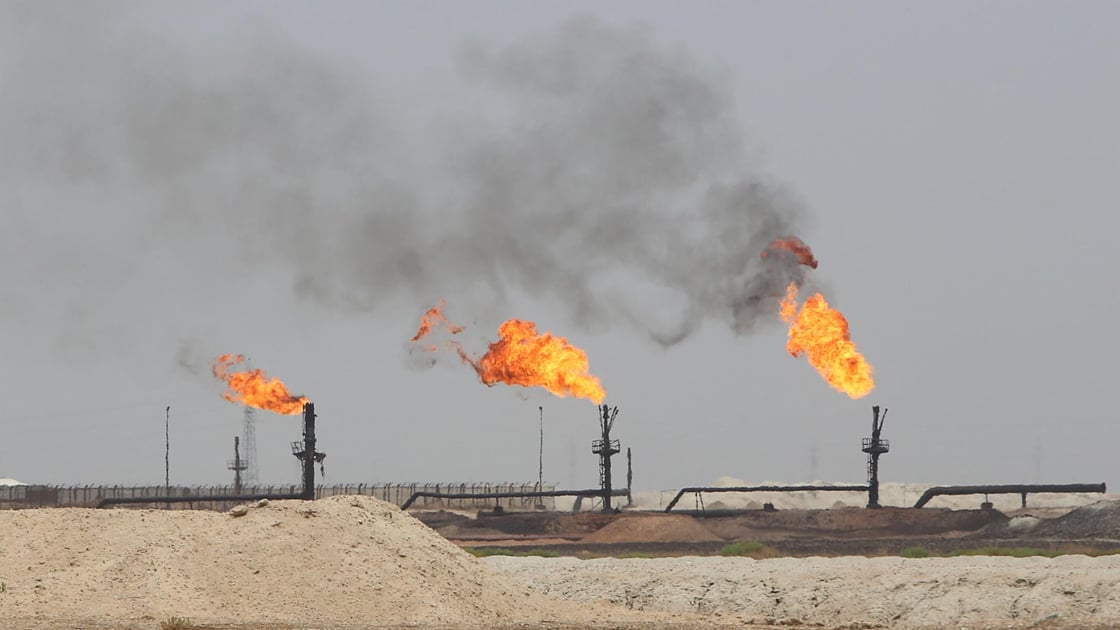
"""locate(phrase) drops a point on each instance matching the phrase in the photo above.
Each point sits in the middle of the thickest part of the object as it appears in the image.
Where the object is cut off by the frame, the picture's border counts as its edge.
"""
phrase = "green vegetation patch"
(914, 552)
(751, 548)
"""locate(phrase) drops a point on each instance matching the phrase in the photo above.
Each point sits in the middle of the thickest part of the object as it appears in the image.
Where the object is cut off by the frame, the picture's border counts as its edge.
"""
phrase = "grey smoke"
(612, 169)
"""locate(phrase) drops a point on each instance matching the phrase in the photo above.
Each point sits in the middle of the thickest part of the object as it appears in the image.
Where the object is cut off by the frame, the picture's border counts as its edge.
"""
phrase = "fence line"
(21, 497)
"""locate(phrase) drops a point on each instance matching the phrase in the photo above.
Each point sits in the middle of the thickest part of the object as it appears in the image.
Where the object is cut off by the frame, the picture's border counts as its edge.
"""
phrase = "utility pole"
(540, 461)
(167, 451)
(629, 478)
(540, 456)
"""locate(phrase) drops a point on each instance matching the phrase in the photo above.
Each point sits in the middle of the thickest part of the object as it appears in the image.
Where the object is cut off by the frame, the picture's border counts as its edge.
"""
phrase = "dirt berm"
(340, 562)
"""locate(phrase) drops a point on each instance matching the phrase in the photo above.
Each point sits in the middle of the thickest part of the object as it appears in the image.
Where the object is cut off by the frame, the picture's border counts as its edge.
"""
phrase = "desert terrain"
(356, 562)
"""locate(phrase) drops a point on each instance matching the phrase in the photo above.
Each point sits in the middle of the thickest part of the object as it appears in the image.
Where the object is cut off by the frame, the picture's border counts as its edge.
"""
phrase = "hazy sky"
(299, 181)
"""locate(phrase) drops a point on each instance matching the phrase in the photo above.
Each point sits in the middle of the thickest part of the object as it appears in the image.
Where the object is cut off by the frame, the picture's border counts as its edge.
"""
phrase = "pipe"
(309, 451)
(700, 489)
(1023, 489)
(508, 495)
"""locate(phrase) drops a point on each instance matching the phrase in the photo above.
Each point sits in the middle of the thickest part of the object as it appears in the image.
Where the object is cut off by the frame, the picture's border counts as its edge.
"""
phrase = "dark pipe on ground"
(1020, 489)
(706, 489)
(509, 495)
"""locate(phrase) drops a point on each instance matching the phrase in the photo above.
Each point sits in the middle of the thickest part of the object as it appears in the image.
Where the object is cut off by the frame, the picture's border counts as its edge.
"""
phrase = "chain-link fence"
(18, 497)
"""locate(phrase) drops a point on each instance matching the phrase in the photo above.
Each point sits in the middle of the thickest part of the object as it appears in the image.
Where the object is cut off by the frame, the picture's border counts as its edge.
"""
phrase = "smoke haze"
(602, 166)
(298, 182)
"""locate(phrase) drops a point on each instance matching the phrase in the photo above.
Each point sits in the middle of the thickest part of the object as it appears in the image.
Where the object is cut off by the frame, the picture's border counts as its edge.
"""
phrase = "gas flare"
(432, 317)
(523, 357)
(255, 388)
(795, 246)
(821, 333)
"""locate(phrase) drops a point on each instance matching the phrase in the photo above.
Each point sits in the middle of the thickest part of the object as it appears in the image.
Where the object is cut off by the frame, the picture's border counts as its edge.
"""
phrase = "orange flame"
(794, 245)
(522, 357)
(254, 388)
(432, 317)
(821, 333)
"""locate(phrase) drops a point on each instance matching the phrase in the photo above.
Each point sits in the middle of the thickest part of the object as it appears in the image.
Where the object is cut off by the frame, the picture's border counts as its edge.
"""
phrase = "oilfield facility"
(495, 499)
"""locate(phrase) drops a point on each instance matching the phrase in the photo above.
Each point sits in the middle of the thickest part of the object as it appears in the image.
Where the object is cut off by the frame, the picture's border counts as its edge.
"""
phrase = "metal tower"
(305, 452)
(237, 465)
(874, 447)
(604, 448)
(249, 437)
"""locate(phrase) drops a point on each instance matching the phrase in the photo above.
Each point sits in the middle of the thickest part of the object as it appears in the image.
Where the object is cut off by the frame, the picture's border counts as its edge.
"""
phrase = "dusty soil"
(796, 532)
(651, 528)
(827, 585)
(851, 522)
(1095, 521)
(849, 592)
(356, 562)
(340, 562)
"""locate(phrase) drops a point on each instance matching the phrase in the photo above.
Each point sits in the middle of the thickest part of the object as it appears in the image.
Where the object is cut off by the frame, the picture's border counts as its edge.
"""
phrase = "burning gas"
(254, 388)
(432, 317)
(821, 333)
(795, 246)
(522, 356)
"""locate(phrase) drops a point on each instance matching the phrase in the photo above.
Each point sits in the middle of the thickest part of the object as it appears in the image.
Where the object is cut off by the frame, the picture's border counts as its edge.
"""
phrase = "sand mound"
(849, 521)
(1099, 520)
(652, 528)
(334, 562)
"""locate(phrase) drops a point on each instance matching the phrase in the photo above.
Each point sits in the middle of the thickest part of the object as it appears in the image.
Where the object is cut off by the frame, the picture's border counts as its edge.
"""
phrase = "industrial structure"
(306, 453)
(474, 495)
(249, 442)
(237, 465)
(875, 446)
(304, 450)
(1020, 489)
(605, 448)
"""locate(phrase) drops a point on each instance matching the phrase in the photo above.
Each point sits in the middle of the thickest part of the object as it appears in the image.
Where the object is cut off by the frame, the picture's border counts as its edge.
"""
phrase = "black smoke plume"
(605, 168)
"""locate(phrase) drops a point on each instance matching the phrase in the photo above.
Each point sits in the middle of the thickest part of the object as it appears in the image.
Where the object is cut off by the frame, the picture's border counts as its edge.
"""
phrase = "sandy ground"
(966, 592)
(356, 562)
(336, 563)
